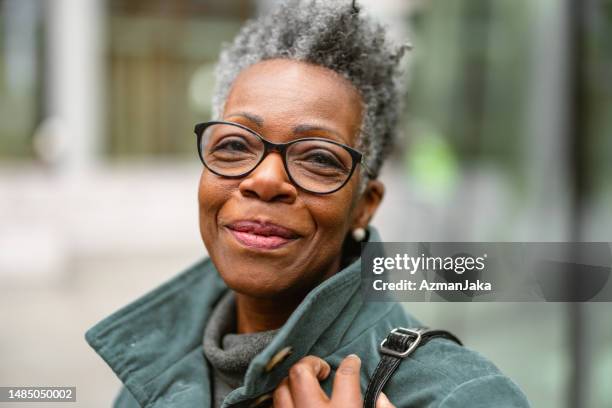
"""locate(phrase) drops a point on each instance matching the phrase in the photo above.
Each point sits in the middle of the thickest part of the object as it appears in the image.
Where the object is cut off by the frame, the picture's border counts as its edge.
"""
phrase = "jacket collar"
(154, 345)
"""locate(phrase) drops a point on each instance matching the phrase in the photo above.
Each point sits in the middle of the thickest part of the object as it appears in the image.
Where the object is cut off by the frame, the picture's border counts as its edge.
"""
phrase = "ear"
(368, 204)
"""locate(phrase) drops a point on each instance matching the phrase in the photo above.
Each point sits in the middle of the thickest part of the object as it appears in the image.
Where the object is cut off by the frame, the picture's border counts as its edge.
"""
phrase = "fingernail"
(354, 356)
(350, 368)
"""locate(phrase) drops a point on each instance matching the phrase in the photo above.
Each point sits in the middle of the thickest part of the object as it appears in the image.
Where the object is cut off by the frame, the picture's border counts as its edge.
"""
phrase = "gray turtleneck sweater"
(228, 353)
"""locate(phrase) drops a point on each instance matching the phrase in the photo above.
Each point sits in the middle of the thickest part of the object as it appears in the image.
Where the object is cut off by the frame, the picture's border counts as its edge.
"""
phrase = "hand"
(301, 388)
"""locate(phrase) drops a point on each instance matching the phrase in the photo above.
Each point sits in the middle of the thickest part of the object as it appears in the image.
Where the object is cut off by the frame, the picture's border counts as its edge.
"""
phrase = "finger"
(347, 389)
(282, 395)
(383, 401)
(304, 379)
(314, 365)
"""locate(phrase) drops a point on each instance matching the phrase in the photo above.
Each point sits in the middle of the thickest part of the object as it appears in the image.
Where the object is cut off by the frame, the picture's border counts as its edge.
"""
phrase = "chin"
(257, 282)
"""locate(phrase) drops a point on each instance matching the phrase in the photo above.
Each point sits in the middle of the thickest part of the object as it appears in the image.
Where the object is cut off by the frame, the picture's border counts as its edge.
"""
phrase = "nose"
(269, 182)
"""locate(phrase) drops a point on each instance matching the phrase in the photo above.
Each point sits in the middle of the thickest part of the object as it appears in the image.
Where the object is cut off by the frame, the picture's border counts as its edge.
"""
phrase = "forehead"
(286, 93)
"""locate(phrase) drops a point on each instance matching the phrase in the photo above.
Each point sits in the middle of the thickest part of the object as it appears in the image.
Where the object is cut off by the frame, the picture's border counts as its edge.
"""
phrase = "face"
(266, 236)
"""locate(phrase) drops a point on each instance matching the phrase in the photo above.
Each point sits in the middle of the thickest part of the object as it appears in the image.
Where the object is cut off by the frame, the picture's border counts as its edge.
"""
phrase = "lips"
(262, 235)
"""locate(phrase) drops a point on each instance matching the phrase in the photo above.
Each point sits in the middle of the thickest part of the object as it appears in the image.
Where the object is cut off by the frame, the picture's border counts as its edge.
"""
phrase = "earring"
(359, 234)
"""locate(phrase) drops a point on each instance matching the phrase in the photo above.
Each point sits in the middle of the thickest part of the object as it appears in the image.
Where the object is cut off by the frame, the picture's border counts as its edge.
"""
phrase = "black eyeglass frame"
(281, 148)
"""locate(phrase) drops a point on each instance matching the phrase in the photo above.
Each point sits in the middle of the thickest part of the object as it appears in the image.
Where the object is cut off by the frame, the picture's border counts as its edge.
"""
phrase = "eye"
(323, 158)
(231, 144)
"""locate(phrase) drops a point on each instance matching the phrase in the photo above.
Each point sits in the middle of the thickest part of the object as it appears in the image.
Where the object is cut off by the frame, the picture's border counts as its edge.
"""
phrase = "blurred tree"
(160, 60)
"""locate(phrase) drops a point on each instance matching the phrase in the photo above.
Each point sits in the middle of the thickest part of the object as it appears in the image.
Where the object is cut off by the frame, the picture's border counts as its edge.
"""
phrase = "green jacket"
(154, 345)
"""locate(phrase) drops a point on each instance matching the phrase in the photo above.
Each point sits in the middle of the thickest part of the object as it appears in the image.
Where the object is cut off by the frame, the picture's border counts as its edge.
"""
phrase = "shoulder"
(144, 331)
(444, 374)
(440, 373)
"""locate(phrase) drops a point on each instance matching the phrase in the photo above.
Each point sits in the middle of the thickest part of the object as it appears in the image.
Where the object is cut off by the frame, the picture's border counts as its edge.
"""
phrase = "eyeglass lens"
(315, 165)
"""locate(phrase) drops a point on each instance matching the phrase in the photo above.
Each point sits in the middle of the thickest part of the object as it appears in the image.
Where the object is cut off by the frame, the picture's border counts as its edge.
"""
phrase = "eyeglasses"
(317, 165)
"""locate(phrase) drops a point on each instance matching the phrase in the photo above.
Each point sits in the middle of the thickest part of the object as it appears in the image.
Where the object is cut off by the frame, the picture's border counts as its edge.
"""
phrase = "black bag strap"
(398, 345)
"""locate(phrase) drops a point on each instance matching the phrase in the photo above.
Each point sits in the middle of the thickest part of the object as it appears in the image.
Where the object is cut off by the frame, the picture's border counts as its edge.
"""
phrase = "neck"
(255, 315)
(258, 315)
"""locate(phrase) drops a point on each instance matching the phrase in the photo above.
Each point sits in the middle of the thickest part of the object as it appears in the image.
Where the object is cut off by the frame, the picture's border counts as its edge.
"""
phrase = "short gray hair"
(336, 36)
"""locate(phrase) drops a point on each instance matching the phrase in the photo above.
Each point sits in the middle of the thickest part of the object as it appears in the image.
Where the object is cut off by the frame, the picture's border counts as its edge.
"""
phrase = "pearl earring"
(359, 234)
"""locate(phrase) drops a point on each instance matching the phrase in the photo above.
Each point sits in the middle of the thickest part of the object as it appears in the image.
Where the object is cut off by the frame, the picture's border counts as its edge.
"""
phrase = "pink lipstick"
(262, 235)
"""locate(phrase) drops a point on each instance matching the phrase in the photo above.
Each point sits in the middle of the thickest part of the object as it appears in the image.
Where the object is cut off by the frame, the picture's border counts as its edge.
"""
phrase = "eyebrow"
(310, 128)
(258, 120)
(302, 128)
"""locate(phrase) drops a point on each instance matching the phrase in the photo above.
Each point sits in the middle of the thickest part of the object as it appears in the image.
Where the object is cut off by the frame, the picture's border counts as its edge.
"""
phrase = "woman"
(306, 107)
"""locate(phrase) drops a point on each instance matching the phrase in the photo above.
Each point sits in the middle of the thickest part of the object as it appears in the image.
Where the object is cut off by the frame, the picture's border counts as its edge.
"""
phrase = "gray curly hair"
(335, 35)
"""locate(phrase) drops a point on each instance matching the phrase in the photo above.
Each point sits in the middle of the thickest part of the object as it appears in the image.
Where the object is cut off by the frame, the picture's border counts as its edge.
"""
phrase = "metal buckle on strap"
(416, 334)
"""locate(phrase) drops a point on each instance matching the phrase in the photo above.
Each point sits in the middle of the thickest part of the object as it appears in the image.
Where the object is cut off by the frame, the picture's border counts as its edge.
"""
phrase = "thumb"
(346, 387)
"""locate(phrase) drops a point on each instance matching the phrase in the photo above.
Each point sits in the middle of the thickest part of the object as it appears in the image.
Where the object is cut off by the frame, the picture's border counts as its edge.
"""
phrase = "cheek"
(333, 214)
(212, 193)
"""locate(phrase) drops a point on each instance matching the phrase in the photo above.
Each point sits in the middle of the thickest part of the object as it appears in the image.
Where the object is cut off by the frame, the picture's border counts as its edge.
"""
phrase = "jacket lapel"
(154, 344)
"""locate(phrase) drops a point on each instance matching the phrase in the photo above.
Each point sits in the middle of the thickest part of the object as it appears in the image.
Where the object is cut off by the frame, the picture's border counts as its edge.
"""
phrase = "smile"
(258, 235)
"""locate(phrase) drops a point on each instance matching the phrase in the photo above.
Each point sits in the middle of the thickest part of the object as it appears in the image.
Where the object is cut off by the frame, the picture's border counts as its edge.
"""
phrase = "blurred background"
(506, 136)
